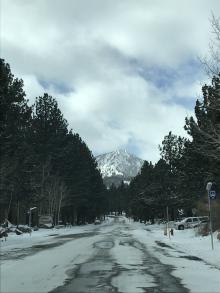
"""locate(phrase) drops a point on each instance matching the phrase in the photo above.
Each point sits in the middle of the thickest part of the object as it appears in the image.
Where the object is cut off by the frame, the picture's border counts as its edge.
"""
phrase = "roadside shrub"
(215, 215)
(218, 236)
(202, 210)
(202, 230)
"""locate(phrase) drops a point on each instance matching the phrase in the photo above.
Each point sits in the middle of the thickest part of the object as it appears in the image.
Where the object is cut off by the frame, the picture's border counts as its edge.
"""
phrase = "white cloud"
(96, 49)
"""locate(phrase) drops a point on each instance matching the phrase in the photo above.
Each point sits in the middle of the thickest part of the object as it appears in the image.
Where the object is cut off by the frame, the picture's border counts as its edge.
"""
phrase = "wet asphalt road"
(119, 263)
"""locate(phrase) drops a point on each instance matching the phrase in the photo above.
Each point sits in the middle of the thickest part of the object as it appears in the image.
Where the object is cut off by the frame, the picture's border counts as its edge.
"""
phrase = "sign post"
(168, 228)
(211, 195)
(30, 215)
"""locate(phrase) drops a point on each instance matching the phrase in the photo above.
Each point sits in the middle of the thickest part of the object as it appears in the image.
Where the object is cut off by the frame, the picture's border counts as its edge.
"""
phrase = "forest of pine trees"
(178, 180)
(43, 164)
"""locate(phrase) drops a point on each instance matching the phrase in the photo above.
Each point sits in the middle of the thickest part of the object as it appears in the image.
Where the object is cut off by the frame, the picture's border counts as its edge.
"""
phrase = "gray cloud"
(120, 70)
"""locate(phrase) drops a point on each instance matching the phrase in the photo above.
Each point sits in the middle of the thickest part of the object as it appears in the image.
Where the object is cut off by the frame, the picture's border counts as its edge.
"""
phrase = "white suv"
(190, 222)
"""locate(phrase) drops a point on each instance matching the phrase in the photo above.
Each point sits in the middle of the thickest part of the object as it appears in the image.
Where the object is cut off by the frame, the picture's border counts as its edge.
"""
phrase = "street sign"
(212, 194)
(211, 190)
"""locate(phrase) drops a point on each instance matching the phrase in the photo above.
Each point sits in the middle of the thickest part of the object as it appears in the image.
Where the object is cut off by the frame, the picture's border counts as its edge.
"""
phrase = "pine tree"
(206, 129)
(47, 138)
(42, 164)
(86, 191)
(15, 115)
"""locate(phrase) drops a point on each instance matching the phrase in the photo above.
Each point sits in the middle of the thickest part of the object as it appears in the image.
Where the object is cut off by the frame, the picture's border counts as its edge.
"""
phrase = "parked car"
(190, 222)
(46, 221)
(97, 222)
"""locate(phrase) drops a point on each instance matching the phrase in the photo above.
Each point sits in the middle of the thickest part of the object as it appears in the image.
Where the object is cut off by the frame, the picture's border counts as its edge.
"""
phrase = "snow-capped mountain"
(118, 165)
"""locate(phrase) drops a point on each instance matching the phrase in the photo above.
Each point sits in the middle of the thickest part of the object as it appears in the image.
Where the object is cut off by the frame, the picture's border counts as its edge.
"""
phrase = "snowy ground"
(116, 256)
(192, 256)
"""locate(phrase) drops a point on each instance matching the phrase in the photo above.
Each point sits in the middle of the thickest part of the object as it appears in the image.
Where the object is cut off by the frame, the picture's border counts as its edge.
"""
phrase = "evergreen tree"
(42, 164)
(47, 138)
(206, 129)
(86, 196)
(15, 115)
(205, 133)
(141, 199)
(193, 171)
(172, 151)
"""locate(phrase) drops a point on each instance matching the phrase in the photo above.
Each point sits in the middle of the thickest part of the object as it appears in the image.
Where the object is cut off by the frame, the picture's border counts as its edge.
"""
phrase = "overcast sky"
(124, 72)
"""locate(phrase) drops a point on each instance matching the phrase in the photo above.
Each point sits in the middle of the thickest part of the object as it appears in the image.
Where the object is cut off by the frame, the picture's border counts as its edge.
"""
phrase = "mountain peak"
(120, 164)
(122, 151)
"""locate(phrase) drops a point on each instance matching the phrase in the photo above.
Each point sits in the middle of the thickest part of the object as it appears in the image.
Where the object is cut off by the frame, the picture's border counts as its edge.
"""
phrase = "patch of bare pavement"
(119, 263)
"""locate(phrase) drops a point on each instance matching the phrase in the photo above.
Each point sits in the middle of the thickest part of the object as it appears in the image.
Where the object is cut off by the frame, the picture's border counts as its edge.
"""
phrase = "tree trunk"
(74, 216)
(18, 212)
(9, 206)
(61, 197)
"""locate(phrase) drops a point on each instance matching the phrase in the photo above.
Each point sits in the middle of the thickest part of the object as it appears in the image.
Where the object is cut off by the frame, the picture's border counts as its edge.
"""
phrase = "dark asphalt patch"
(148, 230)
(92, 276)
(162, 244)
(77, 235)
(46, 245)
(99, 272)
(20, 253)
(165, 281)
(191, 257)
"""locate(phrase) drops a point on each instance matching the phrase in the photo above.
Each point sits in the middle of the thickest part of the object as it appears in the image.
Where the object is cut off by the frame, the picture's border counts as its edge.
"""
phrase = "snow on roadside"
(44, 236)
(199, 275)
(187, 241)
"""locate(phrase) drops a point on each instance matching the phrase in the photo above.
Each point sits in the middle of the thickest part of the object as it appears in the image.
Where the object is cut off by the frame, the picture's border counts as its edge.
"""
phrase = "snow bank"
(44, 236)
(192, 257)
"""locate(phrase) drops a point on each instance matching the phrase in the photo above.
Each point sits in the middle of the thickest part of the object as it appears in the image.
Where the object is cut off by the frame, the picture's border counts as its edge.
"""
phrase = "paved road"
(119, 263)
